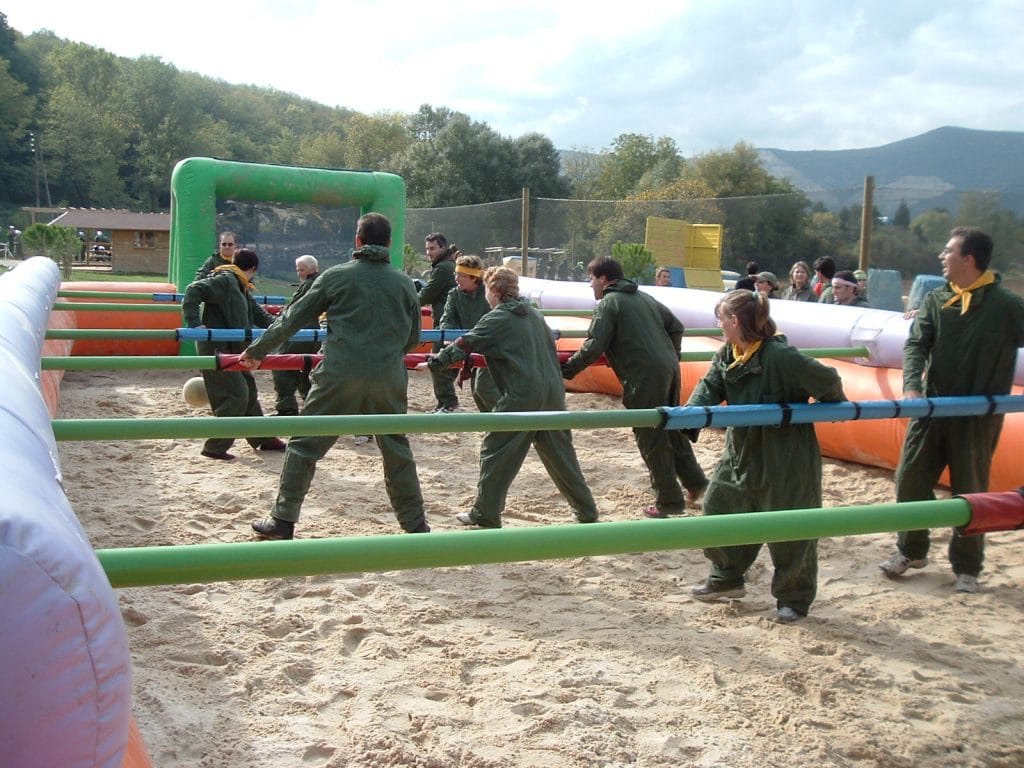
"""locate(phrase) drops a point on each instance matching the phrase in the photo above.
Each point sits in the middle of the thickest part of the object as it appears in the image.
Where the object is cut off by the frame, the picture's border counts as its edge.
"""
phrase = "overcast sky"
(789, 74)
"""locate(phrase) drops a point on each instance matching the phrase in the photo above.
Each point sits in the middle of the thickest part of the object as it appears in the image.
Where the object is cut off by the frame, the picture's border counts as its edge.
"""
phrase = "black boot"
(273, 529)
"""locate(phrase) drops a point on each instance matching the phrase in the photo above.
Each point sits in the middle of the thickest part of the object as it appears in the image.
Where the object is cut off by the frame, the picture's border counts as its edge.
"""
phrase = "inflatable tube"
(805, 324)
(875, 443)
(139, 320)
(64, 661)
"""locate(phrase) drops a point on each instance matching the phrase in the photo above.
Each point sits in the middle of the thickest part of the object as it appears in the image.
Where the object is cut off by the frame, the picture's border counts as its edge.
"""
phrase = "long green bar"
(209, 362)
(70, 294)
(112, 333)
(204, 563)
(93, 306)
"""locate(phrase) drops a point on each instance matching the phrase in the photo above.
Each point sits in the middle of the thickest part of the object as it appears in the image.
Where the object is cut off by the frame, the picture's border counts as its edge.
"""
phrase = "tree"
(634, 157)
(56, 242)
(902, 217)
(637, 262)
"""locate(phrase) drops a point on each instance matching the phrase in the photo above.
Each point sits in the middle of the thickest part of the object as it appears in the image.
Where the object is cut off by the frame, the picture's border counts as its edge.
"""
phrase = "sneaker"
(225, 456)
(658, 513)
(899, 563)
(275, 444)
(465, 518)
(966, 583)
(708, 592)
(787, 615)
(445, 409)
(272, 529)
(361, 439)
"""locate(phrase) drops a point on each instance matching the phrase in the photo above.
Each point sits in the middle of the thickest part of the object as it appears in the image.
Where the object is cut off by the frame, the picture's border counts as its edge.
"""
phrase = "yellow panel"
(707, 279)
(666, 239)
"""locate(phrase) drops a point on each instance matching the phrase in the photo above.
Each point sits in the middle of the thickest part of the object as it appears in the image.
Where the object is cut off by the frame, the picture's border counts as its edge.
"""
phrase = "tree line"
(82, 127)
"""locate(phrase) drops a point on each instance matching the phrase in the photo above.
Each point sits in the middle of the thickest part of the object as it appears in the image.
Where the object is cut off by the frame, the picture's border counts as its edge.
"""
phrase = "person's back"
(521, 356)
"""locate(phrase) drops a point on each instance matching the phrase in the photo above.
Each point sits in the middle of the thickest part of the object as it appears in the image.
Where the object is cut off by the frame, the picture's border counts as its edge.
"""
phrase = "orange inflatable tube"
(124, 320)
(875, 442)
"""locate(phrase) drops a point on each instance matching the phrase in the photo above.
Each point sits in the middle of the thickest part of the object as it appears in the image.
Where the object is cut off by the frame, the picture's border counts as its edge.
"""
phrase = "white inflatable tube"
(65, 696)
(805, 324)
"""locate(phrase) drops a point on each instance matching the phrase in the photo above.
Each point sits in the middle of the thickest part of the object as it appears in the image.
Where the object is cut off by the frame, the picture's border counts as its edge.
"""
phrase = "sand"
(601, 661)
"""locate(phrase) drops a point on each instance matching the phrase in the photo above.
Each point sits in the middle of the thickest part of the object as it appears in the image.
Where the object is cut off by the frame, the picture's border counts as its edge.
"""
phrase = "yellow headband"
(464, 270)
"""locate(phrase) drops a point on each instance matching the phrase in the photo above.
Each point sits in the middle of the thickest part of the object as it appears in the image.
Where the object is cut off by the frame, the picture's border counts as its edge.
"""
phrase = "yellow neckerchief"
(246, 285)
(988, 277)
(739, 358)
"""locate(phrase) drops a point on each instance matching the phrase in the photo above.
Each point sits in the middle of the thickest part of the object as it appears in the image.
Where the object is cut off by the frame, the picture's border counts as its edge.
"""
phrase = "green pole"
(204, 427)
(203, 563)
(94, 306)
(111, 333)
(128, 363)
(209, 362)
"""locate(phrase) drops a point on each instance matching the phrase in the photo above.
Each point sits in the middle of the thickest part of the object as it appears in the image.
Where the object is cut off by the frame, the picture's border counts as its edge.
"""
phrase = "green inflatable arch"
(197, 182)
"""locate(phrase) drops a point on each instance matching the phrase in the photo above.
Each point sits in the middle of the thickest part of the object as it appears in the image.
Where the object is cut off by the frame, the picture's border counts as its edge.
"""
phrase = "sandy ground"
(584, 662)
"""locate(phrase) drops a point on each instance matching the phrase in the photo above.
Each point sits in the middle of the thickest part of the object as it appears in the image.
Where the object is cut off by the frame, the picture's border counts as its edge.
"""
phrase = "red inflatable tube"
(994, 512)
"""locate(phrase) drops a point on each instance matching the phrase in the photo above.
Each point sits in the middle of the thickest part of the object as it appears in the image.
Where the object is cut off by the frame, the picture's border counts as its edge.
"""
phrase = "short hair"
(309, 262)
(826, 265)
(503, 281)
(803, 264)
(752, 309)
(606, 267)
(374, 229)
(975, 243)
(847, 276)
(245, 259)
(227, 233)
(659, 270)
(753, 267)
(437, 237)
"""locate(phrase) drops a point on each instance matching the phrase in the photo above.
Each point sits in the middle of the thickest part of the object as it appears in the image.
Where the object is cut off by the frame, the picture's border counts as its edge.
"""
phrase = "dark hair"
(752, 309)
(437, 237)
(976, 243)
(374, 229)
(848, 276)
(606, 267)
(753, 267)
(826, 265)
(245, 259)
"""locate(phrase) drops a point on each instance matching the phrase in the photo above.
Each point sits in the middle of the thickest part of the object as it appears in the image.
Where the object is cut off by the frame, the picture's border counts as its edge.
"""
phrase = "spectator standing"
(846, 290)
(747, 283)
(222, 256)
(287, 383)
(799, 284)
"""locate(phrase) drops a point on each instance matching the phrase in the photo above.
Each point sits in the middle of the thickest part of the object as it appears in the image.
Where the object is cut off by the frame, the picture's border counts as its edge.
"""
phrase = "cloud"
(793, 74)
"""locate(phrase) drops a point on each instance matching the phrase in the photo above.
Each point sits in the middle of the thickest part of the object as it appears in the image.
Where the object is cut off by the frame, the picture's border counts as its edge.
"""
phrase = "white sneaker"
(966, 583)
(464, 518)
(787, 615)
(361, 439)
(899, 563)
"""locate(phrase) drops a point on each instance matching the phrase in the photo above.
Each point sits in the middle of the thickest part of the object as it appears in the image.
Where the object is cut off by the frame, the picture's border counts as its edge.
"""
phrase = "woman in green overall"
(764, 468)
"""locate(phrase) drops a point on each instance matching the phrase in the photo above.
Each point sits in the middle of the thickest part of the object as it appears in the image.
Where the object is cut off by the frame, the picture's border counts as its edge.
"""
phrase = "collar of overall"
(963, 295)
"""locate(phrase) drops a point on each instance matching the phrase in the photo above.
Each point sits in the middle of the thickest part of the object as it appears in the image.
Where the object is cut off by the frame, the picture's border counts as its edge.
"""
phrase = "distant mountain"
(928, 171)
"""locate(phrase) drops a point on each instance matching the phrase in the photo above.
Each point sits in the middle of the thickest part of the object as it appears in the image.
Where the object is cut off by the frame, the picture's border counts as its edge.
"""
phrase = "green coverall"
(768, 468)
(522, 359)
(214, 261)
(373, 319)
(434, 293)
(287, 383)
(640, 337)
(221, 301)
(464, 310)
(949, 354)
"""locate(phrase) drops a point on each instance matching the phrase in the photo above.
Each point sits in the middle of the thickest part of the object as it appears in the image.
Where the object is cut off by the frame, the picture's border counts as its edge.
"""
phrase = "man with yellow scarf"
(224, 300)
(964, 341)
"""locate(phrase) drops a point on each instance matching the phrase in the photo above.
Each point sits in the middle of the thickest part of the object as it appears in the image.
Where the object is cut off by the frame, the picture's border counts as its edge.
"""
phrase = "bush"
(58, 243)
(637, 262)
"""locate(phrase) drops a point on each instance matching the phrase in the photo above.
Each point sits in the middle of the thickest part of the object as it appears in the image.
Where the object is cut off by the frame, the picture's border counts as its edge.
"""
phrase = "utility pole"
(35, 160)
(866, 220)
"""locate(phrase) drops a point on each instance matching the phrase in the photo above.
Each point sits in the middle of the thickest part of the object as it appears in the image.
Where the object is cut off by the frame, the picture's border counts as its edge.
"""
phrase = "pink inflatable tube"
(875, 443)
(64, 661)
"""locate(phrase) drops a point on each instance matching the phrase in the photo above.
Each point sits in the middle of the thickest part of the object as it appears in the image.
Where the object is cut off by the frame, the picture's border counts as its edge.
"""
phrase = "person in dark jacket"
(521, 357)
(287, 383)
(846, 290)
(465, 305)
(799, 284)
(964, 341)
(640, 337)
(373, 320)
(224, 300)
(434, 293)
(221, 257)
(747, 283)
(756, 472)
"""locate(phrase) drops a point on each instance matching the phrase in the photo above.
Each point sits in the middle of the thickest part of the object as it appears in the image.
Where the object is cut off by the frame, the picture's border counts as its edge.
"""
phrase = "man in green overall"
(434, 294)
(373, 319)
(640, 337)
(224, 300)
(287, 383)
(964, 341)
